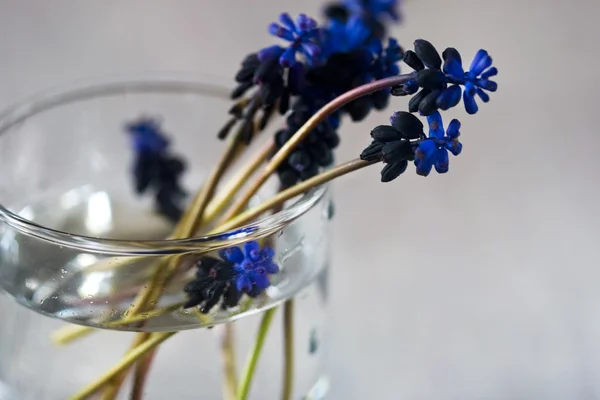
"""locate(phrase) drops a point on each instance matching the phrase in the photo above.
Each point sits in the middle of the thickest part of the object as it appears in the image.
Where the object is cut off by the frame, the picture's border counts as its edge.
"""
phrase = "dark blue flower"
(251, 266)
(442, 85)
(433, 152)
(374, 8)
(147, 135)
(394, 144)
(475, 81)
(344, 36)
(386, 60)
(303, 36)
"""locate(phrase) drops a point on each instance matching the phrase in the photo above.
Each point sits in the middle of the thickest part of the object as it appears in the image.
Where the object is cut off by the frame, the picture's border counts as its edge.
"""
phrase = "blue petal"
(470, 88)
(281, 32)
(357, 32)
(487, 85)
(454, 68)
(436, 126)
(454, 146)
(453, 130)
(270, 52)
(423, 167)
(376, 47)
(270, 267)
(252, 250)
(304, 24)
(449, 97)
(288, 58)
(311, 50)
(242, 283)
(288, 22)
(481, 61)
(393, 51)
(426, 149)
(260, 281)
(267, 252)
(483, 95)
(489, 73)
(470, 104)
(233, 254)
(442, 161)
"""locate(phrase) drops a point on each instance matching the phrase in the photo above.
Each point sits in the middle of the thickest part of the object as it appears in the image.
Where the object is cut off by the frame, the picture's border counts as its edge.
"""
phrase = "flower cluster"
(441, 86)
(403, 141)
(155, 169)
(318, 63)
(227, 278)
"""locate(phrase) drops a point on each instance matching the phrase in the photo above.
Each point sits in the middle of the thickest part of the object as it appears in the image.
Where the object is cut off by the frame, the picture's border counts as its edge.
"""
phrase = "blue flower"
(442, 85)
(374, 8)
(147, 136)
(433, 152)
(303, 36)
(386, 60)
(251, 266)
(475, 81)
(344, 36)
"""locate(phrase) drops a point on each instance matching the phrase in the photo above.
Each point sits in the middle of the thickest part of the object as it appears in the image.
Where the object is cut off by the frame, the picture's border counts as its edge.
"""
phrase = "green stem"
(250, 368)
(288, 350)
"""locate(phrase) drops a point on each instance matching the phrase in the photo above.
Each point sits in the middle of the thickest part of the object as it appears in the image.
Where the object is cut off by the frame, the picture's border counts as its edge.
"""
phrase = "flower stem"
(232, 187)
(250, 369)
(227, 339)
(69, 333)
(305, 129)
(292, 192)
(288, 349)
(186, 227)
(141, 375)
(129, 358)
(114, 385)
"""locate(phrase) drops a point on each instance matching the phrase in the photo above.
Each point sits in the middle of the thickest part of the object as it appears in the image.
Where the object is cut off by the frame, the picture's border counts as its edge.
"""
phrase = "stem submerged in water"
(288, 350)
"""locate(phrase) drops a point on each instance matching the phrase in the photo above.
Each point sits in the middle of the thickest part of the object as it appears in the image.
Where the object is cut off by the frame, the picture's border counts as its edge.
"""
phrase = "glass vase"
(78, 243)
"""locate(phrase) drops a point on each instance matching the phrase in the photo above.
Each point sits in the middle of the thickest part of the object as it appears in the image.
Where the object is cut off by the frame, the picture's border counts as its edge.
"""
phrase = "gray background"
(480, 284)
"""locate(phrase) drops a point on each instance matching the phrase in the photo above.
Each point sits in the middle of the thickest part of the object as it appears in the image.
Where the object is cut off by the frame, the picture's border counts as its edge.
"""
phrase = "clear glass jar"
(77, 244)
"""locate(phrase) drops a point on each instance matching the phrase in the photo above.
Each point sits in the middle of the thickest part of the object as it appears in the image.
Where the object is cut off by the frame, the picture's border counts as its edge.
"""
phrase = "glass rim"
(131, 83)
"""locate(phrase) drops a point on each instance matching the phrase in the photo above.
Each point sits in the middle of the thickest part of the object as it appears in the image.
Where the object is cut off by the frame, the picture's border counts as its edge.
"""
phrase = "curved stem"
(236, 183)
(142, 370)
(288, 350)
(227, 345)
(69, 333)
(129, 358)
(250, 369)
(292, 192)
(305, 129)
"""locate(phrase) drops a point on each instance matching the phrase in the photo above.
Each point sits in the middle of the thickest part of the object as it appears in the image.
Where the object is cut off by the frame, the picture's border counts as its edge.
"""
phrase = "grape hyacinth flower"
(434, 82)
(475, 81)
(344, 36)
(394, 144)
(303, 36)
(154, 168)
(213, 282)
(227, 278)
(251, 267)
(375, 8)
(433, 152)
